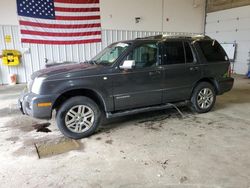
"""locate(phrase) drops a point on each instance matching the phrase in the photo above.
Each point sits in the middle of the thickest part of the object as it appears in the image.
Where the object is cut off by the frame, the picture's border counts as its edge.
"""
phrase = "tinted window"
(189, 54)
(212, 51)
(174, 53)
(144, 55)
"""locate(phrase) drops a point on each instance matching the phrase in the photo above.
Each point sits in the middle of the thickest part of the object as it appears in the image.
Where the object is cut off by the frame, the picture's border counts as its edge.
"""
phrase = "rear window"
(212, 51)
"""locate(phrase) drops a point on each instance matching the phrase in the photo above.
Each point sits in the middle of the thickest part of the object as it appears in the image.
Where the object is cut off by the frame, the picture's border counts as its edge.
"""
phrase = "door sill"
(145, 109)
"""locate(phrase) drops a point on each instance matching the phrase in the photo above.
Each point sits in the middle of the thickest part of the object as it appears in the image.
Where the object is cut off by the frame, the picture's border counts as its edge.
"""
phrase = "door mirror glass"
(128, 64)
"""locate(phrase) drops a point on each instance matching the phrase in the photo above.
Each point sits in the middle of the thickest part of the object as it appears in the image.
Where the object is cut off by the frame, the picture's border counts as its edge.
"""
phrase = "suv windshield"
(110, 54)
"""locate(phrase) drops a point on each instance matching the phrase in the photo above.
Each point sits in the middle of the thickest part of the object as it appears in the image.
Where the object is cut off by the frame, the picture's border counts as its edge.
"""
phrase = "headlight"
(37, 85)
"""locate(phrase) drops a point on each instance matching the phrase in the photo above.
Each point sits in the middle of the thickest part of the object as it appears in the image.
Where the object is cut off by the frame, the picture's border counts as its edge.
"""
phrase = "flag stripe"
(78, 17)
(63, 9)
(60, 21)
(77, 14)
(71, 22)
(77, 1)
(65, 5)
(60, 34)
(59, 42)
(59, 26)
(57, 30)
(27, 36)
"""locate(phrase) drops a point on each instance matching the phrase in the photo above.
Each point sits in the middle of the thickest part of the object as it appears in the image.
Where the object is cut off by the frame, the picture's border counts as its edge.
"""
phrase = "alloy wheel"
(205, 98)
(79, 118)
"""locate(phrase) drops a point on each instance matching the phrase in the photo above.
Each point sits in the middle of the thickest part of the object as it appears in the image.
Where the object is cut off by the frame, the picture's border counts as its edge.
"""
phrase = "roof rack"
(151, 37)
(167, 36)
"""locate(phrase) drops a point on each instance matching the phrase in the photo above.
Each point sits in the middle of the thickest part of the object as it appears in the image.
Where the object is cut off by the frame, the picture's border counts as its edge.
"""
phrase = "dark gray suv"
(130, 77)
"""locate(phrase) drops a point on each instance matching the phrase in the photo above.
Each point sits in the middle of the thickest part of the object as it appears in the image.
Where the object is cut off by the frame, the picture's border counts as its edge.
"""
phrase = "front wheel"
(78, 117)
(203, 97)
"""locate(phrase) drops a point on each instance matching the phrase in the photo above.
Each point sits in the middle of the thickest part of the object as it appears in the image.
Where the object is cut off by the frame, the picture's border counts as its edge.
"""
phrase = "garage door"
(229, 26)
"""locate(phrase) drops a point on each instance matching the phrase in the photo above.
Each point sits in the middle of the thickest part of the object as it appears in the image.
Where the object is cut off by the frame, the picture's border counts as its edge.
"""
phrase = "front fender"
(95, 84)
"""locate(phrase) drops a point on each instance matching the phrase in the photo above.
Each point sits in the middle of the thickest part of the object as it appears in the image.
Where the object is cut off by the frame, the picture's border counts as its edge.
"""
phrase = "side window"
(212, 51)
(189, 53)
(174, 53)
(144, 55)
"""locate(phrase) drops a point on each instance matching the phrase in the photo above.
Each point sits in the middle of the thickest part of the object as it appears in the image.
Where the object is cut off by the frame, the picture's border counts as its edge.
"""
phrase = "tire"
(203, 98)
(78, 117)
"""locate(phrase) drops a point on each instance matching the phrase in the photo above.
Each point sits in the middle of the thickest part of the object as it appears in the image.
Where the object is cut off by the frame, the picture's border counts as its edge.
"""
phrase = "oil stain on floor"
(42, 127)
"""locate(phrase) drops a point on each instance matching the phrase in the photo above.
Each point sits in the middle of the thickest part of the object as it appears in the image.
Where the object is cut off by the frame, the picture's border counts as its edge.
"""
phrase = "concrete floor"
(148, 150)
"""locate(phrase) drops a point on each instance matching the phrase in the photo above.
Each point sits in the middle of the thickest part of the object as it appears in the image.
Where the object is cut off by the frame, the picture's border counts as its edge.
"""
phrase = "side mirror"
(128, 64)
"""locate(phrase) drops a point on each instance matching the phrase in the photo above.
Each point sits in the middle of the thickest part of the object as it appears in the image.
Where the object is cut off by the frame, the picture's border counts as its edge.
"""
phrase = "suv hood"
(62, 68)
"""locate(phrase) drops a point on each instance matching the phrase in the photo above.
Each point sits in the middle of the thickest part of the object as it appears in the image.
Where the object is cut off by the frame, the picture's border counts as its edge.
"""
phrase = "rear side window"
(174, 53)
(212, 51)
(189, 54)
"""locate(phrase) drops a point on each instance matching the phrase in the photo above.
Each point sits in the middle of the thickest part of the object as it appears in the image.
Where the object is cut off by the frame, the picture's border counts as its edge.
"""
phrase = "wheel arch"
(94, 95)
(212, 81)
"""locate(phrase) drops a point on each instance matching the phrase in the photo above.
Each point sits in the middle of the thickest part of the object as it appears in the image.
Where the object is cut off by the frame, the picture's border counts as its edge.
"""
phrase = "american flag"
(59, 21)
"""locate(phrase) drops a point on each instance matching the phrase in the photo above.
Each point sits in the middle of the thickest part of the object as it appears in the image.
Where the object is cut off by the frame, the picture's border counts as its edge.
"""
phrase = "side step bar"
(147, 109)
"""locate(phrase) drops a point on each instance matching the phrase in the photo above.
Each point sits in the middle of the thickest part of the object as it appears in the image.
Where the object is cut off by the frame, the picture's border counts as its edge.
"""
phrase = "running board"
(147, 109)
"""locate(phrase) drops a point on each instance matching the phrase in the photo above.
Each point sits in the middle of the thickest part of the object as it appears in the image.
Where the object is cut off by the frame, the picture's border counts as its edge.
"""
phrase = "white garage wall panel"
(184, 15)
(34, 55)
(156, 15)
(229, 26)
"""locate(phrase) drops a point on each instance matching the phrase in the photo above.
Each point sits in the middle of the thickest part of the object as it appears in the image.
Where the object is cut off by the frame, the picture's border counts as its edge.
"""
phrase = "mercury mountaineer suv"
(129, 77)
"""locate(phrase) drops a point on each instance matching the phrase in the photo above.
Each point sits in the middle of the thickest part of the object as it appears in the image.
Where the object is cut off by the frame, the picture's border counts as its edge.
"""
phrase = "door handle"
(194, 68)
(153, 73)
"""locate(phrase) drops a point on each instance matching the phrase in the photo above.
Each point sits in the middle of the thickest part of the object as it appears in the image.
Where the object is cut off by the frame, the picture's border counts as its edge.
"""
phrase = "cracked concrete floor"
(156, 149)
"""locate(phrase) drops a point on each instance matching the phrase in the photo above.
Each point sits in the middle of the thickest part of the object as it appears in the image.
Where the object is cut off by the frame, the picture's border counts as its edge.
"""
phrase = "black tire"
(73, 103)
(196, 106)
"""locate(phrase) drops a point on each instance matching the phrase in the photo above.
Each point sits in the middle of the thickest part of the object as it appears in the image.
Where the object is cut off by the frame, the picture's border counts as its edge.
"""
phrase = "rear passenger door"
(181, 70)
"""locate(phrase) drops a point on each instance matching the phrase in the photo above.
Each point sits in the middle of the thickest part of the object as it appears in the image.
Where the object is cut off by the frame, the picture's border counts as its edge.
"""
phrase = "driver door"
(142, 85)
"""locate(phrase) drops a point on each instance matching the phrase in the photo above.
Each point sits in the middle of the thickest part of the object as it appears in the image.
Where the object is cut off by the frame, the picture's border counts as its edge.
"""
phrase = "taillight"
(229, 71)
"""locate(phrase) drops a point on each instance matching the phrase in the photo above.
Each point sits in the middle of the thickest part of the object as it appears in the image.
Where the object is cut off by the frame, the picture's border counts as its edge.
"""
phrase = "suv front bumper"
(28, 104)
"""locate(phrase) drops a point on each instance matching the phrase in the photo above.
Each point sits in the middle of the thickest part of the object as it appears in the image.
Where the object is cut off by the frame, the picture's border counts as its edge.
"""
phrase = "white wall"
(8, 15)
(183, 15)
(229, 26)
(120, 14)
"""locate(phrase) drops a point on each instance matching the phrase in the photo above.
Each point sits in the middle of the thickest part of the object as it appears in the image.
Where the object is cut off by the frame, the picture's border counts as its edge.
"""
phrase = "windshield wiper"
(91, 62)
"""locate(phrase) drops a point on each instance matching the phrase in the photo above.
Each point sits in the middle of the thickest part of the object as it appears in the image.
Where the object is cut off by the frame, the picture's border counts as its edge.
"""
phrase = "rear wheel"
(203, 97)
(78, 117)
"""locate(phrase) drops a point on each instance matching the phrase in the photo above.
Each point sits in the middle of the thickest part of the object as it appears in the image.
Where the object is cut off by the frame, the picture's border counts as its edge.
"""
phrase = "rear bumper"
(28, 105)
(225, 85)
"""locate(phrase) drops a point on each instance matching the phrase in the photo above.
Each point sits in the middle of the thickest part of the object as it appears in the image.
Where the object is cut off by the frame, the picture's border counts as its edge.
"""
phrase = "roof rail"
(151, 37)
(178, 35)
